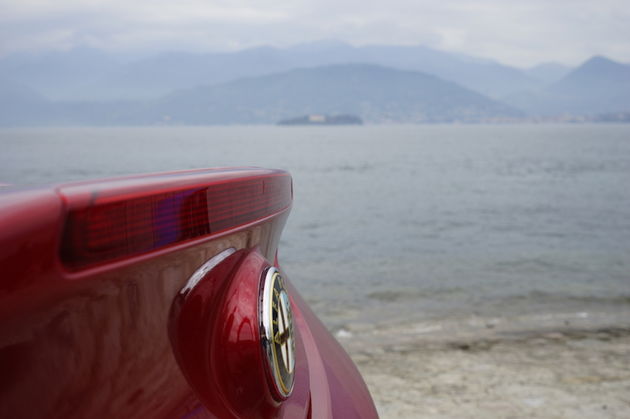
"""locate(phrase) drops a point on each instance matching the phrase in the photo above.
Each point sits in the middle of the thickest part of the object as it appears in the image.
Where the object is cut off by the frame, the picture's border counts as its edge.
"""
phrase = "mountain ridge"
(598, 86)
(377, 94)
(153, 76)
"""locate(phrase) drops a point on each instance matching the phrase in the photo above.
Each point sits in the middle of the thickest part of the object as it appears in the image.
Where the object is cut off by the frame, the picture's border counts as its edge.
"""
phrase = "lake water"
(397, 222)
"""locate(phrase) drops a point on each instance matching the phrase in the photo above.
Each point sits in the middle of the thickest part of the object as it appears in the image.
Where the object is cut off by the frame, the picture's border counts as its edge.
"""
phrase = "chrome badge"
(276, 324)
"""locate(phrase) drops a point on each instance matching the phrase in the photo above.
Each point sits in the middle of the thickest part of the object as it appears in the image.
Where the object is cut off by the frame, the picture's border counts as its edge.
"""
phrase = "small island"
(318, 119)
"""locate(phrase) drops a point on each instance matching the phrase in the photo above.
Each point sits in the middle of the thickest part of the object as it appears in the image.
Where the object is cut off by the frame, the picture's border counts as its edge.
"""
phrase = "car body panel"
(93, 327)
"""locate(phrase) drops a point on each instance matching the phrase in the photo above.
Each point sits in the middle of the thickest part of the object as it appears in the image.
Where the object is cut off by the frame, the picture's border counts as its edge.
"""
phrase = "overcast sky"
(517, 32)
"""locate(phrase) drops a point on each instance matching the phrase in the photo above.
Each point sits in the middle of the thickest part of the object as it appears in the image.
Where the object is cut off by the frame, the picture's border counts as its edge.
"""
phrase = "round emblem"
(276, 324)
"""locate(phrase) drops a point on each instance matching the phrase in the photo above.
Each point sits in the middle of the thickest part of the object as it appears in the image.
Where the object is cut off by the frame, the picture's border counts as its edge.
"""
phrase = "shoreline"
(489, 367)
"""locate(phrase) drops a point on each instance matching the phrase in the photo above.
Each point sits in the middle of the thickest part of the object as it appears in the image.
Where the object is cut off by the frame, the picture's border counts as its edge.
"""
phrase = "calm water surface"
(395, 222)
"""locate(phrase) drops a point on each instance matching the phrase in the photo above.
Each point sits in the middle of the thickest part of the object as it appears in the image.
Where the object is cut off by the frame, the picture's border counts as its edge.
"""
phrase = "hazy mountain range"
(95, 75)
(263, 85)
(598, 86)
(378, 94)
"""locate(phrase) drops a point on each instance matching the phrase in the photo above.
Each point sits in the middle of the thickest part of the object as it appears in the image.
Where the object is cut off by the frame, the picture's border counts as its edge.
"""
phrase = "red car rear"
(161, 296)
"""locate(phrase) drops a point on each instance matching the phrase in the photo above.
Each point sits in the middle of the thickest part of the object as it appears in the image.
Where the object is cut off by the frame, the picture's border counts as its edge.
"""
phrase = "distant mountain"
(594, 75)
(376, 94)
(484, 76)
(20, 105)
(87, 74)
(61, 74)
(159, 75)
(166, 72)
(598, 86)
(548, 72)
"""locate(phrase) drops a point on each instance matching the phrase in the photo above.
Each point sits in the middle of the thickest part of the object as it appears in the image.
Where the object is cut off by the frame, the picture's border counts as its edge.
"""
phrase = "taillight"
(138, 215)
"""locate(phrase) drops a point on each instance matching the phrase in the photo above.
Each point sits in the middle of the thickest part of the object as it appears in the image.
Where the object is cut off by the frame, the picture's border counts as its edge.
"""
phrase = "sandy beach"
(571, 365)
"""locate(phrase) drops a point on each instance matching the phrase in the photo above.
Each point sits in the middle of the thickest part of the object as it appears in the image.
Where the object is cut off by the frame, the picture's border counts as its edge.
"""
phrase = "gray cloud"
(514, 32)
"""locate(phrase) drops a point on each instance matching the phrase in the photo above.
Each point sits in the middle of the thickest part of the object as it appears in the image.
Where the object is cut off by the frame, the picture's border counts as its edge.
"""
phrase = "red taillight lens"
(105, 223)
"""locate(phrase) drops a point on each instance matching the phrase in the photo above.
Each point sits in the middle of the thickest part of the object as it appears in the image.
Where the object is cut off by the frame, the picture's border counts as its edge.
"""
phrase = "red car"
(161, 296)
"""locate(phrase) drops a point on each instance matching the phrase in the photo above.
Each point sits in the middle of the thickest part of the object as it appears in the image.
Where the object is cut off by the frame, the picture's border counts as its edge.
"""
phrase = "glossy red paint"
(122, 336)
(216, 336)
